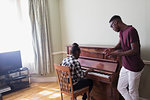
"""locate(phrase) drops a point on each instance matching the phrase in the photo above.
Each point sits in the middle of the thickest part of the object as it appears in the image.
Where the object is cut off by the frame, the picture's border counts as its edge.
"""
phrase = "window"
(15, 30)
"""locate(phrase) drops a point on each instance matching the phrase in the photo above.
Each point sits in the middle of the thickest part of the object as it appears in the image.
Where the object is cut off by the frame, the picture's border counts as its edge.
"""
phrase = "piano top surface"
(99, 64)
(93, 57)
(96, 46)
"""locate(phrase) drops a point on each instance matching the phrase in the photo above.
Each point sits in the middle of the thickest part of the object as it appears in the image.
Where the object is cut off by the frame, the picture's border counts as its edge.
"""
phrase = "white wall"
(144, 88)
(86, 21)
(54, 15)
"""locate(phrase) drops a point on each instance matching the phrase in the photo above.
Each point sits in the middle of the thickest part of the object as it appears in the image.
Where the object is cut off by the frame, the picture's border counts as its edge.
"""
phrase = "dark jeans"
(83, 83)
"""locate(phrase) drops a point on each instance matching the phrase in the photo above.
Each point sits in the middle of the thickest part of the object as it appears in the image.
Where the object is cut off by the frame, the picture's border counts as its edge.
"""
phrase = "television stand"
(1, 97)
(4, 89)
(15, 80)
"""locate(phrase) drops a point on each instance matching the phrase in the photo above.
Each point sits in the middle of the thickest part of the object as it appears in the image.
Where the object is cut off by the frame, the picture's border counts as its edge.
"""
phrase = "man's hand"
(108, 51)
(116, 53)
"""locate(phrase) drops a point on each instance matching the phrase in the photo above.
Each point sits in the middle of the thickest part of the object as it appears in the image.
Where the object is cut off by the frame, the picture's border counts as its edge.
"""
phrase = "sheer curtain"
(15, 31)
(29, 34)
(41, 36)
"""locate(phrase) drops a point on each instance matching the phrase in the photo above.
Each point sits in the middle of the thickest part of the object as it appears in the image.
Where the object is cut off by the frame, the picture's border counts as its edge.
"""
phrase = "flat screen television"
(10, 61)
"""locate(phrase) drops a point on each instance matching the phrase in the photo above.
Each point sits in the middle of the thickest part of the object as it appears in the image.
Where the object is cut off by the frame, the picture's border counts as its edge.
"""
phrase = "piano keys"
(105, 74)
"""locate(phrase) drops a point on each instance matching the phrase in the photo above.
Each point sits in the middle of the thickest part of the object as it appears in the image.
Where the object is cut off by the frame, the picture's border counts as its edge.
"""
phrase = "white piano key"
(99, 74)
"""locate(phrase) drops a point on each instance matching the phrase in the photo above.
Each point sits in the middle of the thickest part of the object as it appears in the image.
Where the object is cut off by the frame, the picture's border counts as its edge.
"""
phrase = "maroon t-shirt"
(132, 62)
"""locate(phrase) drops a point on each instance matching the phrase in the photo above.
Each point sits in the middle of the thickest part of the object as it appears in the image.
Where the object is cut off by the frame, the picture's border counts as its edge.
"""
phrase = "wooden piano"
(105, 74)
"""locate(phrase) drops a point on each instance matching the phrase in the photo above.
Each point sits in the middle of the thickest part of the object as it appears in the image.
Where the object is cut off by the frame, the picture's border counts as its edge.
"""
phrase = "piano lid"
(93, 57)
(93, 52)
(99, 64)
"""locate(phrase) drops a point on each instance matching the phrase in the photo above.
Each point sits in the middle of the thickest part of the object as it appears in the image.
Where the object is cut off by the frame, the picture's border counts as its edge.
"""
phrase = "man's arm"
(133, 51)
(109, 50)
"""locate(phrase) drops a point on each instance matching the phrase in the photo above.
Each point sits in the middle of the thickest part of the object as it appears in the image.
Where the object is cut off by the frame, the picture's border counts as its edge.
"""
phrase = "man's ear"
(115, 22)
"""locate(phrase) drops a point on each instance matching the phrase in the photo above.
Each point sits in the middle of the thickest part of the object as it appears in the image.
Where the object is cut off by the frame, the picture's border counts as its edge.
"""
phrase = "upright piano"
(105, 74)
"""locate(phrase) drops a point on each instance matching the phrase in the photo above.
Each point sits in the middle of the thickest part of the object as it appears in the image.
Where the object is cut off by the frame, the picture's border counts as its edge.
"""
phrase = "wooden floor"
(38, 91)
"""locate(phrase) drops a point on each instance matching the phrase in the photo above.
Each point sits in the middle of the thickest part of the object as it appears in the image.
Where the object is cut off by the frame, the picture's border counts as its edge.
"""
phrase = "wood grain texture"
(104, 88)
(38, 91)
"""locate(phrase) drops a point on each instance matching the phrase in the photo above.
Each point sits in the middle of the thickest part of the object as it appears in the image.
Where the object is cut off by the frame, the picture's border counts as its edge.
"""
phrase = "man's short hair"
(115, 17)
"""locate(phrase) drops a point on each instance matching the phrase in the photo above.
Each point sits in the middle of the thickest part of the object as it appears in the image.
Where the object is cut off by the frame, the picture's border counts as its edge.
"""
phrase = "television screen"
(10, 61)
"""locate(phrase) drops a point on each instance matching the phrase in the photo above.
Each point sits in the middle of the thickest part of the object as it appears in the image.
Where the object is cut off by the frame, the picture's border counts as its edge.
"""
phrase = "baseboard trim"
(147, 62)
(143, 98)
(43, 79)
(59, 52)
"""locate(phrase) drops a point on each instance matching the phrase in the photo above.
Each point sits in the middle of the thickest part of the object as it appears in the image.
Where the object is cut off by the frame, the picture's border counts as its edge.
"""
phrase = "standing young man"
(129, 49)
